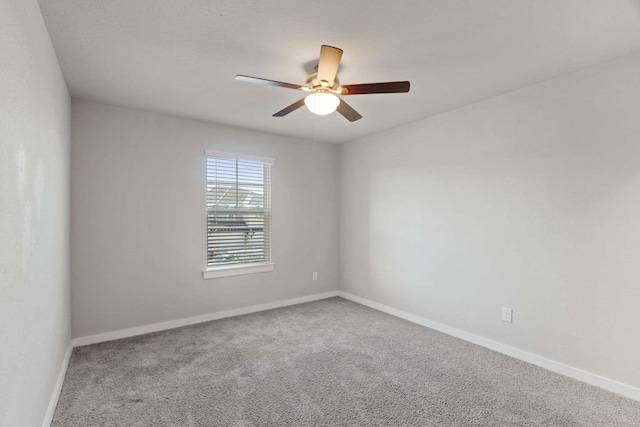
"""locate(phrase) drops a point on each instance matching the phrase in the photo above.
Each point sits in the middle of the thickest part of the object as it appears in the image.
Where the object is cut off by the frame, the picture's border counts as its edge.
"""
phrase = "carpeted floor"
(325, 363)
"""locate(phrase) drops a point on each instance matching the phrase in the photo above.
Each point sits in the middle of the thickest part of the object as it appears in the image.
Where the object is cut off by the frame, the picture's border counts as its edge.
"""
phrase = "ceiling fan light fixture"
(322, 103)
(324, 85)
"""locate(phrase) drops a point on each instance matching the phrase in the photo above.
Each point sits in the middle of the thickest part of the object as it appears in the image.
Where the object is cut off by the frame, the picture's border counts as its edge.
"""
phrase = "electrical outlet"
(507, 315)
(315, 275)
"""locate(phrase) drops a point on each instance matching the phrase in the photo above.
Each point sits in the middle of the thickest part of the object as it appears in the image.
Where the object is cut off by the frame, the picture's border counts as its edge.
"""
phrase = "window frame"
(225, 270)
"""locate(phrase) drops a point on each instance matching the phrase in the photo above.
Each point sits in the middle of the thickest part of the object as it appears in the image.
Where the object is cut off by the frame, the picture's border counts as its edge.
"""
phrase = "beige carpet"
(325, 363)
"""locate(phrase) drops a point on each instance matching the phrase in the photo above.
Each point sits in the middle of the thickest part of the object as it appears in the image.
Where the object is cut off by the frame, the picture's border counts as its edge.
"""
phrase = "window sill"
(236, 270)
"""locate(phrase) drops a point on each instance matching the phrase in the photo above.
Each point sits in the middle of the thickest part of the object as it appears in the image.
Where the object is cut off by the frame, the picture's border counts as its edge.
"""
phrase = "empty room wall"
(530, 201)
(34, 209)
(139, 226)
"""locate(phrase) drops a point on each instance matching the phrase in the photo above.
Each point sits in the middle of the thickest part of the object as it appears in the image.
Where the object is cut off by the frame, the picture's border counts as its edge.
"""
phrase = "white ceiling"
(180, 56)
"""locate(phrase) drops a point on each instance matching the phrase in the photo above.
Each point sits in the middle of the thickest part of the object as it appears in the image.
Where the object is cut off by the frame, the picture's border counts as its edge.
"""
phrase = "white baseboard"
(543, 362)
(53, 402)
(141, 330)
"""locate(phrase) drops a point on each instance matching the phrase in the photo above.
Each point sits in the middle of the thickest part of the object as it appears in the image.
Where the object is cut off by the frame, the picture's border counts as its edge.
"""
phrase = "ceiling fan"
(324, 86)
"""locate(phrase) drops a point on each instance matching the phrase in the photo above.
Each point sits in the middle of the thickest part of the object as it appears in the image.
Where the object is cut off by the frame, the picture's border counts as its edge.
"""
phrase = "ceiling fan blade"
(290, 108)
(366, 88)
(258, 80)
(328, 64)
(348, 112)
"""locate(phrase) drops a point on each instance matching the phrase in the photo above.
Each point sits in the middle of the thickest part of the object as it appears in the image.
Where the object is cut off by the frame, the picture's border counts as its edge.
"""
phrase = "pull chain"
(315, 128)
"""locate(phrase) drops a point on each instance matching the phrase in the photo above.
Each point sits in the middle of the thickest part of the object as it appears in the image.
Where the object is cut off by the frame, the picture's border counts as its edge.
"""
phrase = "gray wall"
(138, 229)
(529, 201)
(34, 215)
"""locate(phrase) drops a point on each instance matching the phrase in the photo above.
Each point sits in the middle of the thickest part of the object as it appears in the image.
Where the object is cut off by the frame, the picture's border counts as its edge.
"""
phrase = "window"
(238, 215)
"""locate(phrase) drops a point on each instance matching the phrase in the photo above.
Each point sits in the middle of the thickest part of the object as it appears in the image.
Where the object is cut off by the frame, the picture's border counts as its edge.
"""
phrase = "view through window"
(238, 211)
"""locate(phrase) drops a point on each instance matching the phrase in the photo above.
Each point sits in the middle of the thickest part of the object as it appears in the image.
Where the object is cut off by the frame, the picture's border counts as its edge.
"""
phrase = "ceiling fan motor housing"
(313, 83)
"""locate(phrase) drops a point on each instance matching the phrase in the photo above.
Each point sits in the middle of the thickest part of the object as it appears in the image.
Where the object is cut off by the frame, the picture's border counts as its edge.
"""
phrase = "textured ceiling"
(180, 56)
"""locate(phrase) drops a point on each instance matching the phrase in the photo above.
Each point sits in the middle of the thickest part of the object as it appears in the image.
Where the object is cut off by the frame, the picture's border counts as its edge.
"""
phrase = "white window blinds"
(238, 211)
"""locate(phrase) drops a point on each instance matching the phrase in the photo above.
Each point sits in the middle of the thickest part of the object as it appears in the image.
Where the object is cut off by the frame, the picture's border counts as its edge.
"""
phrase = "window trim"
(237, 269)
(211, 272)
(238, 156)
